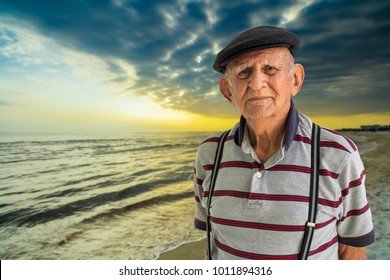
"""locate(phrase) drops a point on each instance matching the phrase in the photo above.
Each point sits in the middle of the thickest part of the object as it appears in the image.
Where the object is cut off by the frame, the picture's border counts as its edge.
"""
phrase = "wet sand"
(189, 251)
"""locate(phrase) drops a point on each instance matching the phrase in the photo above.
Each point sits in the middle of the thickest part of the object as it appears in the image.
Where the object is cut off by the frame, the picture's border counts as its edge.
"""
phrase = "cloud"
(163, 50)
(346, 63)
(37, 70)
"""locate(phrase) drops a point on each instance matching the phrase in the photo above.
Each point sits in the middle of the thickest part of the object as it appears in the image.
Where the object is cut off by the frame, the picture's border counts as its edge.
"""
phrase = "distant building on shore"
(375, 127)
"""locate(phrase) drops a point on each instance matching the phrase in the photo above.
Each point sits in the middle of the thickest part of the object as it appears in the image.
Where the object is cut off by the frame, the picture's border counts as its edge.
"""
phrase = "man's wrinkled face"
(261, 83)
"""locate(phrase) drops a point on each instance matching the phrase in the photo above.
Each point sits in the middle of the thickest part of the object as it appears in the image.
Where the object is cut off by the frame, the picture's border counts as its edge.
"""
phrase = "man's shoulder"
(329, 138)
(216, 137)
(212, 138)
(207, 148)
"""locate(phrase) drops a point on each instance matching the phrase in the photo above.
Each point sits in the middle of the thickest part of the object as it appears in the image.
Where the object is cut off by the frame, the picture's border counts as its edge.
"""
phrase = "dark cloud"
(346, 57)
(172, 46)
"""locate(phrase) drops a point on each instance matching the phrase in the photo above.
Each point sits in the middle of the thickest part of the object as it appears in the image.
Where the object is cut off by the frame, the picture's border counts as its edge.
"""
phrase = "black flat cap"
(257, 38)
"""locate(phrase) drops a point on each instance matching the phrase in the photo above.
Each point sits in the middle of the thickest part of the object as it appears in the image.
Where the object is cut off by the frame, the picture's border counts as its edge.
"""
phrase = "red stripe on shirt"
(253, 256)
(279, 167)
(302, 169)
(212, 140)
(261, 196)
(355, 212)
(330, 203)
(216, 139)
(263, 226)
(331, 144)
(273, 197)
(328, 144)
(300, 138)
(237, 164)
(354, 183)
(294, 168)
(199, 181)
(325, 172)
(346, 138)
(324, 246)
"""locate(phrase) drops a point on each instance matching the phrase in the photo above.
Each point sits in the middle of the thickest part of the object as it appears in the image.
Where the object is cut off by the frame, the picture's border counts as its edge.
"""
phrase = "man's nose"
(257, 79)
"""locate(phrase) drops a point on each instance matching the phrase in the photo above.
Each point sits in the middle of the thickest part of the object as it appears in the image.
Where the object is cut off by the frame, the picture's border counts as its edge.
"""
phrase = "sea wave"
(84, 197)
(167, 198)
(33, 216)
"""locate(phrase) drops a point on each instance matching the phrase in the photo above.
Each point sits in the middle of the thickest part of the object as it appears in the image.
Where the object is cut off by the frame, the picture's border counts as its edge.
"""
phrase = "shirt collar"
(291, 128)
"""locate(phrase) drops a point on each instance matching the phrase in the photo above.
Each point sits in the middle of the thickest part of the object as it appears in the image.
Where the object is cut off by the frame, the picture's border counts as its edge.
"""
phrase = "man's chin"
(259, 113)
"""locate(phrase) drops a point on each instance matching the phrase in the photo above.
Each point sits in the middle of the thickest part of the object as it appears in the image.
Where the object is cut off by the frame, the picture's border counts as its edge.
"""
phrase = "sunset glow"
(67, 66)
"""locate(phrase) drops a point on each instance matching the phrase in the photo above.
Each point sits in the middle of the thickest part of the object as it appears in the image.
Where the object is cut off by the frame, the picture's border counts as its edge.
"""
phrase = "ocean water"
(95, 196)
(98, 196)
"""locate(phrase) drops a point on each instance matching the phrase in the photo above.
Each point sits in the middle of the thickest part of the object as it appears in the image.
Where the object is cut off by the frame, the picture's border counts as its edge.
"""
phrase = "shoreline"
(194, 250)
(377, 164)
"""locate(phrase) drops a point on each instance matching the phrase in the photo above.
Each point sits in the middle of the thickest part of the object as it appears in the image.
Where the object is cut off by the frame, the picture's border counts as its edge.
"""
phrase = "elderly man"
(267, 189)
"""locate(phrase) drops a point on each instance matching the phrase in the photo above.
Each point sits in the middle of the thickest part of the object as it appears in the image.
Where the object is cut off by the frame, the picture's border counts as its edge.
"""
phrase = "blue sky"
(146, 65)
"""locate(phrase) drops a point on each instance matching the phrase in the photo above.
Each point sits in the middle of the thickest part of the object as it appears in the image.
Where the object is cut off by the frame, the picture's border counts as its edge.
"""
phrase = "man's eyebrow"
(240, 65)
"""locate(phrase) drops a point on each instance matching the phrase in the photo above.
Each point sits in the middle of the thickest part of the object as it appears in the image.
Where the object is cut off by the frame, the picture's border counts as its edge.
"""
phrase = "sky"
(138, 66)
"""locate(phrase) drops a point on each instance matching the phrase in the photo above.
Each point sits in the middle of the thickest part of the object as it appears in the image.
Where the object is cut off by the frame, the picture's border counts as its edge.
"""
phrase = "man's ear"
(299, 76)
(224, 87)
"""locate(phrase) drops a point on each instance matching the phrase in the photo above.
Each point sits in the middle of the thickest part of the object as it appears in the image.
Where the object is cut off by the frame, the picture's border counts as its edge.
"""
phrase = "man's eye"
(243, 74)
(270, 70)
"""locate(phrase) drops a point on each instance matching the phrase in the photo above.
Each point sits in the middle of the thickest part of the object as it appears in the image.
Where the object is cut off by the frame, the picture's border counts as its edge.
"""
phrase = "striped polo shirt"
(259, 210)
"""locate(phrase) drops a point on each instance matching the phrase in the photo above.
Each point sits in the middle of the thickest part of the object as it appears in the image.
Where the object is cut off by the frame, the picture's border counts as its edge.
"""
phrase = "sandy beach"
(377, 163)
(189, 251)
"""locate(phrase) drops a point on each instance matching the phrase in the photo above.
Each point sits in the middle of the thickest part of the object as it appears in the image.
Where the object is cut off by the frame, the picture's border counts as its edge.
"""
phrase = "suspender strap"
(314, 184)
(214, 174)
(311, 220)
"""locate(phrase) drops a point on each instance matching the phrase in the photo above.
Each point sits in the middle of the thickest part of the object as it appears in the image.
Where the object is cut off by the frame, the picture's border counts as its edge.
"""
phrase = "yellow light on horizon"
(354, 121)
